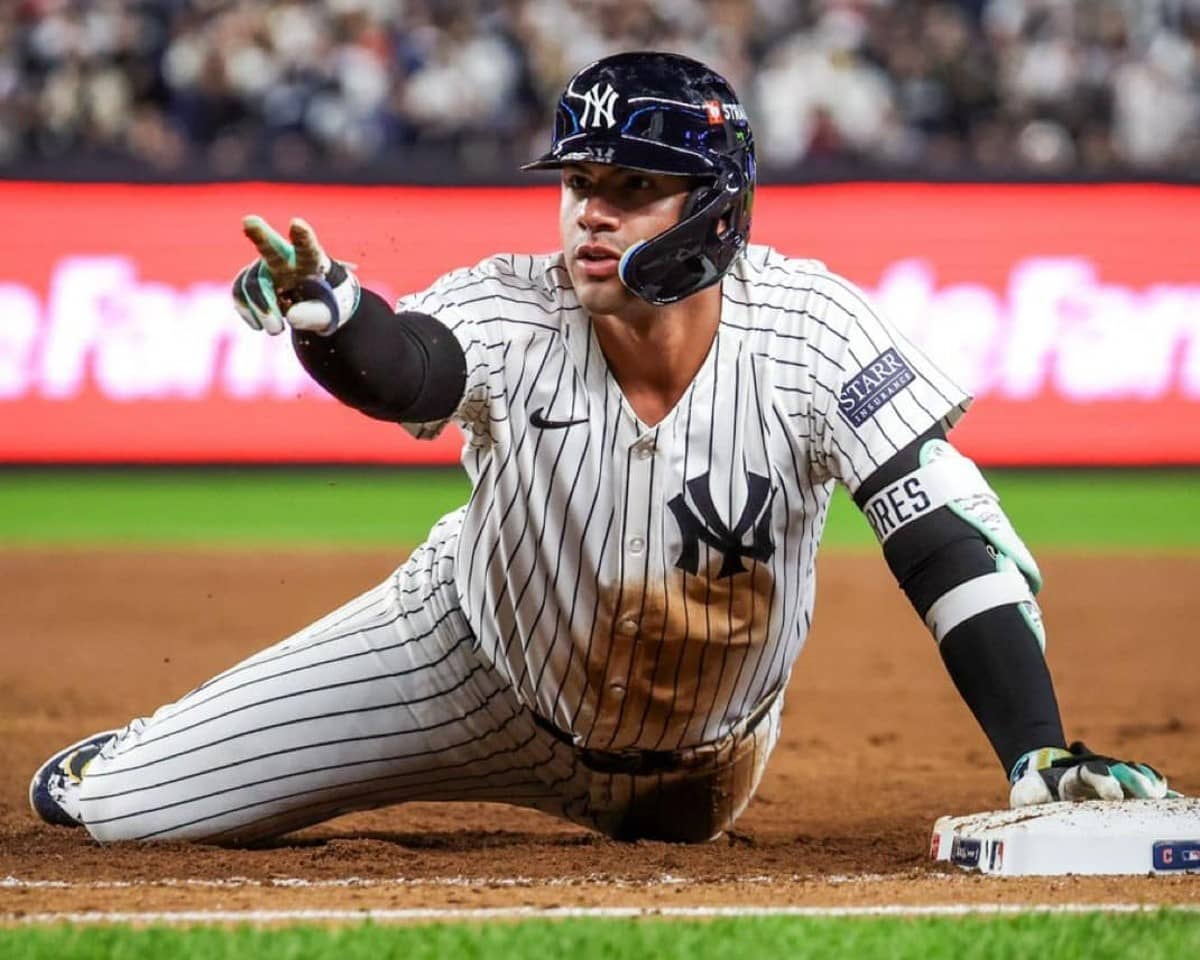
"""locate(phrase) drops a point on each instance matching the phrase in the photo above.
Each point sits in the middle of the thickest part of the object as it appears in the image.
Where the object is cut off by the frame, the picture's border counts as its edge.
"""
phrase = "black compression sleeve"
(391, 366)
(996, 664)
(993, 658)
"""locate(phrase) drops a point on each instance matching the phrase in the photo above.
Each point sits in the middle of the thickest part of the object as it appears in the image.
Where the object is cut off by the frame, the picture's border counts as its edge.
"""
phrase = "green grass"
(226, 507)
(1149, 936)
(347, 507)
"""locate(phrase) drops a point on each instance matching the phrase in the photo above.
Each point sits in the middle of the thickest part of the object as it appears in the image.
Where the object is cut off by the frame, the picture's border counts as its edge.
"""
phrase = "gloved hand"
(1052, 773)
(293, 283)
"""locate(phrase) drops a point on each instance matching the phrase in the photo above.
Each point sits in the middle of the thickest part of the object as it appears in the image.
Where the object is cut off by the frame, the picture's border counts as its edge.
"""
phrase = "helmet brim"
(633, 153)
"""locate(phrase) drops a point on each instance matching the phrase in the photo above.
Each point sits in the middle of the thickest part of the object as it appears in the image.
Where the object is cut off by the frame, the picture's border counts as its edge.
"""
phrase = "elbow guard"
(907, 519)
(391, 366)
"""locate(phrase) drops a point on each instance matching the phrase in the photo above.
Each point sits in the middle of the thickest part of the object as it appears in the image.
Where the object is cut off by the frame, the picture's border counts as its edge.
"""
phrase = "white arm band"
(948, 479)
(975, 596)
(917, 494)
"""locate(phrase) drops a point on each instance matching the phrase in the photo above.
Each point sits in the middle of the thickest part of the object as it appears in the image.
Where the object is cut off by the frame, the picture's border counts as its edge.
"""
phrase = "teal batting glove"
(294, 282)
(1052, 773)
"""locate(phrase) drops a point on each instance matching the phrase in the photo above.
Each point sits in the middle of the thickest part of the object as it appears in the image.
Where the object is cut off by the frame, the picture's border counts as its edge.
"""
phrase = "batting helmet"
(664, 113)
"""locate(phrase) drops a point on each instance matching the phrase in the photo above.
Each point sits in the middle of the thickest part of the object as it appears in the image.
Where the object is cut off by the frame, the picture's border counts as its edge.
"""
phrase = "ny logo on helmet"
(598, 106)
(709, 527)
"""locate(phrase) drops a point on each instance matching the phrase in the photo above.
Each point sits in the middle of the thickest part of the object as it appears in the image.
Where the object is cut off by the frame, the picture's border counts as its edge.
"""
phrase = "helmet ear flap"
(695, 200)
(691, 255)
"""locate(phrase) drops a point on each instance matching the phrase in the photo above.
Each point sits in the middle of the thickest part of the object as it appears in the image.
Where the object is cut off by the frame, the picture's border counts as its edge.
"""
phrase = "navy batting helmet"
(664, 113)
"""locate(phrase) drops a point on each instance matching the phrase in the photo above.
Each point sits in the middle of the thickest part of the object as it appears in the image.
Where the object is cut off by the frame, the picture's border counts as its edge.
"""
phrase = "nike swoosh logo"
(542, 423)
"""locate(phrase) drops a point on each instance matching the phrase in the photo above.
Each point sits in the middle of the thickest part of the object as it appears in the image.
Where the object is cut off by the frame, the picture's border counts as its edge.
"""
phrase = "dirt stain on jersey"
(667, 657)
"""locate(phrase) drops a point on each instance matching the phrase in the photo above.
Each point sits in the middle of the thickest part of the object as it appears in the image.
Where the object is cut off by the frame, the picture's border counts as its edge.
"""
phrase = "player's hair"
(664, 113)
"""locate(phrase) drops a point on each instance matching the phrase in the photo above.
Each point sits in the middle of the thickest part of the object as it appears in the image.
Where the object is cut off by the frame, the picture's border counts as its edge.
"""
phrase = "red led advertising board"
(1071, 312)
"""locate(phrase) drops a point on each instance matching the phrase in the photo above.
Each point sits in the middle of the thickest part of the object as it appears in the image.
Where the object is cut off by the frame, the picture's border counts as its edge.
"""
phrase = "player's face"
(606, 209)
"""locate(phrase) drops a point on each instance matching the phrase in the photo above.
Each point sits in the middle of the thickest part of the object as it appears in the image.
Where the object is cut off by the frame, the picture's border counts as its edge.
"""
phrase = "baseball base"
(1134, 837)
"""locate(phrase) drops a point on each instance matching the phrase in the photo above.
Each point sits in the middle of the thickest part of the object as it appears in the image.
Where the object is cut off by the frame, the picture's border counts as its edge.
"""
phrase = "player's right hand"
(293, 282)
(1052, 773)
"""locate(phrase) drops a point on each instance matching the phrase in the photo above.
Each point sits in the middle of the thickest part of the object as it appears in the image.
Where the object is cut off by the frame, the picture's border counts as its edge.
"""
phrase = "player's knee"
(687, 828)
(689, 808)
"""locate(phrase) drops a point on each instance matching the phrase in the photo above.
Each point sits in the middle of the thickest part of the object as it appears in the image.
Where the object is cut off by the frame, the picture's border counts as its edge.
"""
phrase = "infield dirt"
(876, 744)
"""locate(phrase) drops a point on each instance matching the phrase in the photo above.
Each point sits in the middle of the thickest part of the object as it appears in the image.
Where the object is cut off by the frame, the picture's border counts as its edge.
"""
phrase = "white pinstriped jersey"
(648, 586)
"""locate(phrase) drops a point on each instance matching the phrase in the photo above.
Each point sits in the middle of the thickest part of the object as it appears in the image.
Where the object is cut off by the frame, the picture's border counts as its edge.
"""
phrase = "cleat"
(54, 789)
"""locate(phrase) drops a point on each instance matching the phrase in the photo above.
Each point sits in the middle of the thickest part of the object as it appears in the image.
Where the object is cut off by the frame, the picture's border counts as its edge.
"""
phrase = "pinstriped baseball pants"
(380, 702)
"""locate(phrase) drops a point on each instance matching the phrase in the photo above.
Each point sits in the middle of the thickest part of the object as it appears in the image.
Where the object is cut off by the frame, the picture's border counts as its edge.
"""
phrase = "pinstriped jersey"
(648, 585)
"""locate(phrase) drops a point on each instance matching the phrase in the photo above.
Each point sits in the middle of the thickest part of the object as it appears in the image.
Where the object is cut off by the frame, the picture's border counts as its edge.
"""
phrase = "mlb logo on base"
(1182, 855)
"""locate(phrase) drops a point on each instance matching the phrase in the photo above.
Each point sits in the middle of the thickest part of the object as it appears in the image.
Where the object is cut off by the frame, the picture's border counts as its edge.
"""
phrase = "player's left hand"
(294, 282)
(1052, 773)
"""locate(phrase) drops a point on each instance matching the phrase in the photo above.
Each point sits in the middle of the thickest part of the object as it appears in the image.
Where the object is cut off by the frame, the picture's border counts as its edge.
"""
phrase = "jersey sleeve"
(875, 391)
(450, 300)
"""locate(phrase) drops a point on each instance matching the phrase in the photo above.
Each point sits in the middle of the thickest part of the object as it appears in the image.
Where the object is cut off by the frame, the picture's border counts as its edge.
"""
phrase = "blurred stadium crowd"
(463, 89)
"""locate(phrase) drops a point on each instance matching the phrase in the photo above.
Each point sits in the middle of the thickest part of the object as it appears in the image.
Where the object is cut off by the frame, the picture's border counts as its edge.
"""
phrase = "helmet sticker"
(719, 112)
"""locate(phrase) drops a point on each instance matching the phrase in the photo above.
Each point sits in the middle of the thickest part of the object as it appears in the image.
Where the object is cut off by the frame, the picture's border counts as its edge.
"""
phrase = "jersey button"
(627, 627)
(617, 690)
(636, 544)
(644, 451)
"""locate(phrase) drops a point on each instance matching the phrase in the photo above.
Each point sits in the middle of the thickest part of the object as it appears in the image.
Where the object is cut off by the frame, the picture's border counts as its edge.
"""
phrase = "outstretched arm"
(972, 580)
(404, 367)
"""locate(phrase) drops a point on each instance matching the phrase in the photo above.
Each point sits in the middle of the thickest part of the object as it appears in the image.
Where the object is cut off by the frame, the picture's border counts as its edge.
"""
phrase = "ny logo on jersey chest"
(710, 529)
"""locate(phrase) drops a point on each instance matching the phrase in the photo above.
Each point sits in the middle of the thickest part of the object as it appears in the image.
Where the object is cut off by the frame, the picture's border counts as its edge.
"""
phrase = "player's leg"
(700, 797)
(381, 701)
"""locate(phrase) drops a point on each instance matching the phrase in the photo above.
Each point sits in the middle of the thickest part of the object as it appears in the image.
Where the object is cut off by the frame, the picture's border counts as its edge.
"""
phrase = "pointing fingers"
(308, 252)
(291, 271)
(277, 253)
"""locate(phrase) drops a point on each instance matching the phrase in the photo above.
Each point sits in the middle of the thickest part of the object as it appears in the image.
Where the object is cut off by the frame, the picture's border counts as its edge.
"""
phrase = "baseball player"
(655, 418)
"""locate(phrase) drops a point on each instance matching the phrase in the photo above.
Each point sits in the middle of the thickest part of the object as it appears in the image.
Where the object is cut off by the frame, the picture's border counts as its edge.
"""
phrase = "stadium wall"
(1072, 312)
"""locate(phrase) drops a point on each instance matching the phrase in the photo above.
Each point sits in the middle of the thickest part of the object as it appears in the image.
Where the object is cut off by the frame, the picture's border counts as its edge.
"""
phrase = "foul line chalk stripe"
(224, 883)
(562, 913)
